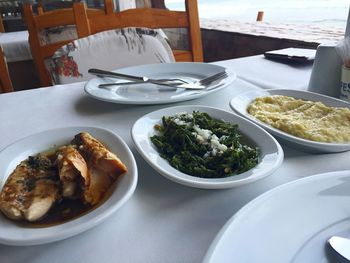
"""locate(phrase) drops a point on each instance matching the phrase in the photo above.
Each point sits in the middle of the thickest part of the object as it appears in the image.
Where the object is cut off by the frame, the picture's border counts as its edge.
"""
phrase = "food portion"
(31, 190)
(305, 119)
(72, 170)
(198, 145)
(62, 183)
(105, 166)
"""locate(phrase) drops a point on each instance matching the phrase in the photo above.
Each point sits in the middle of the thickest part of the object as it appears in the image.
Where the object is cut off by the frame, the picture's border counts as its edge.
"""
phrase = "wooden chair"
(52, 19)
(147, 17)
(5, 80)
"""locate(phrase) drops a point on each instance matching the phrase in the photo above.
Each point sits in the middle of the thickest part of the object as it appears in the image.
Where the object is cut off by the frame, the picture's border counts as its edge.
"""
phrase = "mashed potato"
(306, 119)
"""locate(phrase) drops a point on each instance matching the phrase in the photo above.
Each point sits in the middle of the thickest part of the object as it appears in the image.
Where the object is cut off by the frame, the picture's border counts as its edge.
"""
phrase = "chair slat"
(2, 28)
(195, 33)
(61, 17)
(183, 55)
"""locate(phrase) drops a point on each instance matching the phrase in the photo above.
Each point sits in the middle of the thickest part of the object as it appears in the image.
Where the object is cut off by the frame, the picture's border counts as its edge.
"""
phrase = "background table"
(163, 221)
(19, 60)
(16, 46)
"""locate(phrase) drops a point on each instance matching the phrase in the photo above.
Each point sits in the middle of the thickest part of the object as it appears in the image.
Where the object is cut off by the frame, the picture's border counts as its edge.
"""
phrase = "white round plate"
(271, 153)
(14, 234)
(290, 223)
(154, 94)
(240, 104)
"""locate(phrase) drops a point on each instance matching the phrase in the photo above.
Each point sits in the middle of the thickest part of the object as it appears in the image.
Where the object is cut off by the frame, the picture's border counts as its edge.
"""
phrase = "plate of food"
(61, 182)
(148, 93)
(290, 223)
(305, 120)
(205, 147)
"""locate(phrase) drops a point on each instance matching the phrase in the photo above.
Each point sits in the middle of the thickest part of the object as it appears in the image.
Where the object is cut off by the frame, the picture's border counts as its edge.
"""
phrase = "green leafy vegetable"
(201, 146)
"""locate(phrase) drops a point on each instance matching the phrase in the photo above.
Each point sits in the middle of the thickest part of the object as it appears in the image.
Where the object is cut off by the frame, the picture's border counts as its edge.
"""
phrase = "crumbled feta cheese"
(179, 114)
(180, 122)
(203, 132)
(215, 144)
(199, 138)
(205, 136)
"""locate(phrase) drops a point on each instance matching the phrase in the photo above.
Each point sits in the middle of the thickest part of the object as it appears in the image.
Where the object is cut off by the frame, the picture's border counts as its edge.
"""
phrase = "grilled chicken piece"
(104, 166)
(73, 171)
(31, 190)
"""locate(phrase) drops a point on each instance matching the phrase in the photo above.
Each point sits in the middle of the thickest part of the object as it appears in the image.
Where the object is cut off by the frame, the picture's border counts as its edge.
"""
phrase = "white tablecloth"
(163, 221)
(16, 46)
(270, 74)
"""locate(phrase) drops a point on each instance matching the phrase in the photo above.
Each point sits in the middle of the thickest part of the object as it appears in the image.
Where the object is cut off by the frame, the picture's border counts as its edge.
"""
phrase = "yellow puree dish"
(306, 119)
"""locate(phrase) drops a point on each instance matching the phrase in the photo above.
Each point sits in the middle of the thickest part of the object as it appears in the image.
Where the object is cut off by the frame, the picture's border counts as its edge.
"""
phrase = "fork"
(199, 84)
(203, 83)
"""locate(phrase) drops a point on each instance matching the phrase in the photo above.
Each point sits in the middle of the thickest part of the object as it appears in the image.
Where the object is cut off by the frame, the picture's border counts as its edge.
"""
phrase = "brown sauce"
(60, 213)
(66, 210)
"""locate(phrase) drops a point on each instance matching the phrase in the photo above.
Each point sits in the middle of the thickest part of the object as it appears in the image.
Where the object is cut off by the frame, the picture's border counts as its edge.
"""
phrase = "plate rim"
(207, 183)
(237, 217)
(232, 76)
(71, 228)
(308, 144)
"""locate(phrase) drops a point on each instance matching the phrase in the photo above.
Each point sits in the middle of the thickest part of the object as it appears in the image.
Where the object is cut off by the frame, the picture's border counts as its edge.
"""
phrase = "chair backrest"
(61, 21)
(154, 18)
(5, 80)
(109, 50)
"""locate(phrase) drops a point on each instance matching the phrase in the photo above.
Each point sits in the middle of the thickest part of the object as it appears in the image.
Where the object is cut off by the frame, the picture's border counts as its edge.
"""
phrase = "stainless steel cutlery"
(169, 82)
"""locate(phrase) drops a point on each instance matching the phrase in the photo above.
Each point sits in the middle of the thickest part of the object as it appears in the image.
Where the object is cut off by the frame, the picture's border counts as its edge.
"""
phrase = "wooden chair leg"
(2, 28)
(6, 83)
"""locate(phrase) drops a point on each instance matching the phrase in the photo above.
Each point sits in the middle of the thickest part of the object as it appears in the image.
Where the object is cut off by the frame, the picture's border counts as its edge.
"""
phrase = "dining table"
(163, 221)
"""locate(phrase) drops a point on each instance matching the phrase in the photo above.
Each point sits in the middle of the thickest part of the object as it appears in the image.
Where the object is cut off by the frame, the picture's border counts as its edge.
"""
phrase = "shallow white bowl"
(270, 151)
(14, 234)
(240, 104)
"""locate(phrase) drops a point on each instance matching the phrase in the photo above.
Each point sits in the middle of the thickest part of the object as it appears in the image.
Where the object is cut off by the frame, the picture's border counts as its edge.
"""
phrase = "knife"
(342, 246)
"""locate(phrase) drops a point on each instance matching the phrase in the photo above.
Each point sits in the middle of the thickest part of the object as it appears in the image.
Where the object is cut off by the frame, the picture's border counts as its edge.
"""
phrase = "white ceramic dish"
(153, 94)
(271, 151)
(290, 223)
(14, 234)
(240, 104)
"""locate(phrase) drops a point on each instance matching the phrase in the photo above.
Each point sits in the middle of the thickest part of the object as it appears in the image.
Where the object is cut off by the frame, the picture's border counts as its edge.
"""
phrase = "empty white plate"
(153, 94)
(290, 223)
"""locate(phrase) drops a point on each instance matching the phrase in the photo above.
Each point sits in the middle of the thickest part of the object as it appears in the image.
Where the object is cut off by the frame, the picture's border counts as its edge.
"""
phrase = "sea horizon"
(333, 13)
